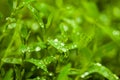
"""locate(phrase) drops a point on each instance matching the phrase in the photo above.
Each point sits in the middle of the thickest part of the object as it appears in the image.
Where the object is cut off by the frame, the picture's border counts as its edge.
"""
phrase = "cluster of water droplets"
(26, 49)
(42, 63)
(12, 60)
(30, 49)
(59, 45)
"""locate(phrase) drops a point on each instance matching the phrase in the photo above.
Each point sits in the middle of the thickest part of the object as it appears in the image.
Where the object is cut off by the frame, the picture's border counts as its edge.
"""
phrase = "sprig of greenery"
(59, 40)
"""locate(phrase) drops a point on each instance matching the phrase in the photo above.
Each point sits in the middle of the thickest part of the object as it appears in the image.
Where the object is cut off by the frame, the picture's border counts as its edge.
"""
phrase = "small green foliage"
(97, 67)
(58, 45)
(42, 63)
(59, 39)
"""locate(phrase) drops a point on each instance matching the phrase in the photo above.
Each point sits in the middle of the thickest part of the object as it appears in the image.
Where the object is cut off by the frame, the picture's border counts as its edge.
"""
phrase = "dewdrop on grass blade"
(28, 49)
(37, 49)
(116, 77)
(84, 75)
(62, 44)
(56, 40)
(116, 33)
(98, 64)
(50, 74)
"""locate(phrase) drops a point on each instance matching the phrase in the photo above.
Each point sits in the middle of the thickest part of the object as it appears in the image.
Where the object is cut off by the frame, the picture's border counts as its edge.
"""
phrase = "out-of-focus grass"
(59, 39)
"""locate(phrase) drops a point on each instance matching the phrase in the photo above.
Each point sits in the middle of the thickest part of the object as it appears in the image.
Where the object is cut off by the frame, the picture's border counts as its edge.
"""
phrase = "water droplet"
(62, 44)
(56, 40)
(37, 48)
(42, 25)
(50, 74)
(84, 75)
(78, 33)
(78, 20)
(28, 49)
(23, 51)
(38, 78)
(116, 77)
(12, 25)
(74, 46)
(38, 67)
(23, 3)
(35, 26)
(64, 49)
(39, 63)
(116, 33)
(65, 28)
(32, 9)
(98, 64)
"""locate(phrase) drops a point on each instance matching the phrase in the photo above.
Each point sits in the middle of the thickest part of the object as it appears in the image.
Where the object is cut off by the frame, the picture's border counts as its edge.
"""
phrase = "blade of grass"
(64, 72)
(97, 67)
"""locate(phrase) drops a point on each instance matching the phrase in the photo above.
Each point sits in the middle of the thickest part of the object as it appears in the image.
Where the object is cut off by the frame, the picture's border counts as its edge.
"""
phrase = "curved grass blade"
(97, 67)
(26, 2)
(36, 15)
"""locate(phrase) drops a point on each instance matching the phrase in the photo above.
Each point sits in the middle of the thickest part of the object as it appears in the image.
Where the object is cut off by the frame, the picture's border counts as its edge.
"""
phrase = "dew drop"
(39, 63)
(98, 64)
(23, 51)
(38, 78)
(28, 49)
(38, 67)
(64, 49)
(116, 33)
(35, 26)
(116, 77)
(74, 46)
(62, 44)
(56, 40)
(50, 74)
(23, 3)
(85, 74)
(65, 28)
(37, 48)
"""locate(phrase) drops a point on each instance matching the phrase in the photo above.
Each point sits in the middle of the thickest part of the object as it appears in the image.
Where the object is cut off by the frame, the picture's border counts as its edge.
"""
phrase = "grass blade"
(64, 72)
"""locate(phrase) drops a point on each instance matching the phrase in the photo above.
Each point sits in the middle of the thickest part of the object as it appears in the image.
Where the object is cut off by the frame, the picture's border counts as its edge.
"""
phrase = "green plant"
(59, 40)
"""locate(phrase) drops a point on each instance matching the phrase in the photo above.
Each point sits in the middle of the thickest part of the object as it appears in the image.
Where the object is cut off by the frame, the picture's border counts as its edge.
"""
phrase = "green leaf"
(60, 46)
(64, 72)
(36, 15)
(8, 75)
(24, 31)
(24, 3)
(97, 67)
(42, 63)
(12, 60)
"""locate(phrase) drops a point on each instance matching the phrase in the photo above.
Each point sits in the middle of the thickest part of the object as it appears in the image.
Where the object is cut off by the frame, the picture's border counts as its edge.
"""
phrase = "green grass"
(59, 40)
